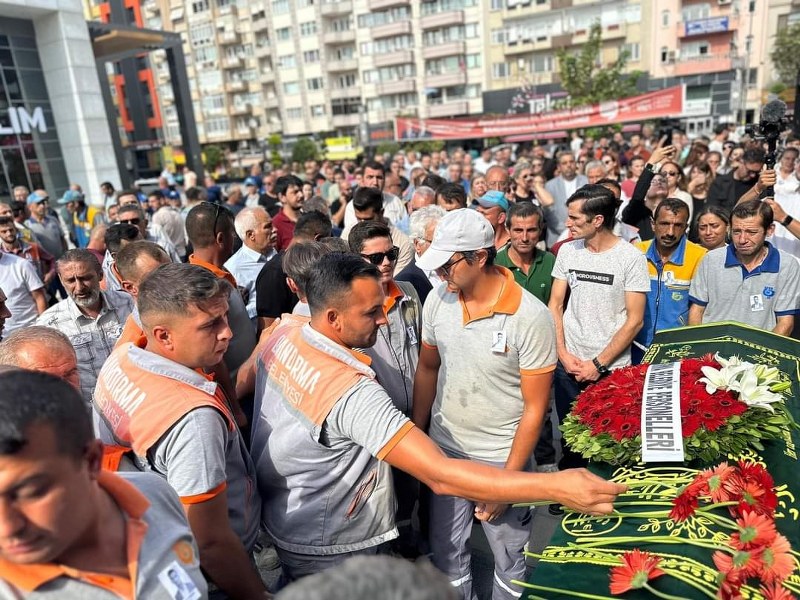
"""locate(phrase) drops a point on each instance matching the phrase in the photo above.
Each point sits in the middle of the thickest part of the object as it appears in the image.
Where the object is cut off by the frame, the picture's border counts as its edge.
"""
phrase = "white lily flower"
(733, 361)
(767, 375)
(753, 394)
(715, 379)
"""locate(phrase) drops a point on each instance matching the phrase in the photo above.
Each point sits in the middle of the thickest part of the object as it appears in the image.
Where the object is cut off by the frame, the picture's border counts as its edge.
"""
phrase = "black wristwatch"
(787, 221)
(601, 368)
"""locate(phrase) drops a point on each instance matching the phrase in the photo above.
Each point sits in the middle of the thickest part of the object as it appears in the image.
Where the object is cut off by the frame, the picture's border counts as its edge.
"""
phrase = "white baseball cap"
(459, 230)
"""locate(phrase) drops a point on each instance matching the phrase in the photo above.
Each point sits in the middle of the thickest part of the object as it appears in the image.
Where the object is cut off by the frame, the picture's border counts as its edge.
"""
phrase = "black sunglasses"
(134, 221)
(377, 257)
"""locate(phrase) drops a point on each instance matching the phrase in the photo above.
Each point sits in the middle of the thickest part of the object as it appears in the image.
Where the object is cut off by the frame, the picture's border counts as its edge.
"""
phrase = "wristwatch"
(601, 368)
(787, 221)
(653, 168)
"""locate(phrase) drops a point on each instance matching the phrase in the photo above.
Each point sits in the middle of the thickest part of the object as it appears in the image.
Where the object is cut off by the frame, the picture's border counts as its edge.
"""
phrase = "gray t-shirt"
(756, 298)
(597, 283)
(478, 403)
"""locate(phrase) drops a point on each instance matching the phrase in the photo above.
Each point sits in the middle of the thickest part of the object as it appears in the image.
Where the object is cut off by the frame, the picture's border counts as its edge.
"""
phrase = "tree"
(785, 53)
(587, 80)
(214, 157)
(387, 148)
(305, 149)
(275, 142)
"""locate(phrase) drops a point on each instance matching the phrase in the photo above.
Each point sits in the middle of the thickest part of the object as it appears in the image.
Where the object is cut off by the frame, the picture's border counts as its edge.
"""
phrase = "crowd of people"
(332, 361)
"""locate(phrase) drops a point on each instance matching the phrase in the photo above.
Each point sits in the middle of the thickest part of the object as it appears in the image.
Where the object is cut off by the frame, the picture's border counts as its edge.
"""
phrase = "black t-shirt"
(270, 203)
(273, 296)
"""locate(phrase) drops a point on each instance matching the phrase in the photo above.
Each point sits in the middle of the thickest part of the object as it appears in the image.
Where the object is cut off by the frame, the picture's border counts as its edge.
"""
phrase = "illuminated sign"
(21, 121)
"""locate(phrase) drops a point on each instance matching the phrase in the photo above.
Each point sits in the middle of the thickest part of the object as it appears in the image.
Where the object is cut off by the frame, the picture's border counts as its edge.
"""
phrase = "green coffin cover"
(727, 339)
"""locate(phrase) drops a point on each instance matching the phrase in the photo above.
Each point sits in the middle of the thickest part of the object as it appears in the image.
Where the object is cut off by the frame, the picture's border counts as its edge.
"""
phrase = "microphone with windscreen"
(773, 123)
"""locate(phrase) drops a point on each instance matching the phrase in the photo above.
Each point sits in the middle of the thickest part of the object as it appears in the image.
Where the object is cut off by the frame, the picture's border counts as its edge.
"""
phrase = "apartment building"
(348, 67)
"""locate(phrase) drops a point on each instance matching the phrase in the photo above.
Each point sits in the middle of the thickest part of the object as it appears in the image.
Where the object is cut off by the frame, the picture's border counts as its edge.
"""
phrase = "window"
(698, 49)
(280, 7)
(371, 76)
(450, 64)
(199, 6)
(291, 87)
(498, 4)
(304, 3)
(205, 54)
(201, 35)
(665, 54)
(431, 8)
(473, 61)
(343, 53)
(287, 61)
(385, 46)
(450, 34)
(401, 13)
(501, 70)
(345, 106)
(311, 56)
(345, 81)
(284, 34)
(499, 36)
(694, 12)
(665, 18)
(343, 24)
(294, 113)
(209, 79)
(308, 28)
(315, 83)
(213, 104)
(634, 51)
(318, 110)
(217, 126)
(541, 63)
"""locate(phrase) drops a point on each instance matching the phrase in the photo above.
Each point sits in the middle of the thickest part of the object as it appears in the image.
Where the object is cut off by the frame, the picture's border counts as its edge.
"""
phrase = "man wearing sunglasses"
(726, 190)
(396, 352)
(133, 214)
(368, 203)
(482, 389)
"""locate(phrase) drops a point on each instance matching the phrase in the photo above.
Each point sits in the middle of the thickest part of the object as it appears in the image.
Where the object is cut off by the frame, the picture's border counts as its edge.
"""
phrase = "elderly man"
(254, 227)
(91, 318)
(169, 219)
(133, 214)
(73, 530)
(43, 349)
(422, 224)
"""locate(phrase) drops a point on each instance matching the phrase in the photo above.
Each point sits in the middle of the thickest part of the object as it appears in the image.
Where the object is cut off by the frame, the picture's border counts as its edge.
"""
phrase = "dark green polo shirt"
(539, 280)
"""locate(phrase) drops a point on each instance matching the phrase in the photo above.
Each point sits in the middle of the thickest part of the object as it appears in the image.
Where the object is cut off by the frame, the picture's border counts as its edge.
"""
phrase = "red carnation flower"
(637, 569)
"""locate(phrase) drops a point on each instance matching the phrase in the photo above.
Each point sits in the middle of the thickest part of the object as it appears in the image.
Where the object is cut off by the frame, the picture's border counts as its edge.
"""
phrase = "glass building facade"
(30, 153)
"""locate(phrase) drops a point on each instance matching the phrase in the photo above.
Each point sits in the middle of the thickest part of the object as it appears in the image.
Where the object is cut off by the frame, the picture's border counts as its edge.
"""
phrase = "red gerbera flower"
(755, 531)
(684, 504)
(716, 478)
(776, 562)
(637, 569)
(774, 591)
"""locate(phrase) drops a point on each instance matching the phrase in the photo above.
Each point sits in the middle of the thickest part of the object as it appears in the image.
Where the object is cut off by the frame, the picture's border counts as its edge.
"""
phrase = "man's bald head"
(44, 349)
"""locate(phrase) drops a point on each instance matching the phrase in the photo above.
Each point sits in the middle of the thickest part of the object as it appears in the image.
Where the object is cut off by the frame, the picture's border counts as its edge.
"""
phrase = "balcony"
(339, 37)
(402, 57)
(611, 32)
(442, 19)
(446, 79)
(261, 25)
(334, 9)
(228, 9)
(703, 65)
(267, 76)
(234, 86)
(441, 50)
(227, 38)
(346, 92)
(239, 109)
(263, 51)
(396, 87)
(271, 102)
(231, 62)
(451, 108)
(338, 66)
(167, 98)
(382, 4)
(345, 120)
(710, 26)
(390, 29)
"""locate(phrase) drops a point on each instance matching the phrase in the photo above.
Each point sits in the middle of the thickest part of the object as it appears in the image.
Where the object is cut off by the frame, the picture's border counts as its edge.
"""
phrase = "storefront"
(53, 127)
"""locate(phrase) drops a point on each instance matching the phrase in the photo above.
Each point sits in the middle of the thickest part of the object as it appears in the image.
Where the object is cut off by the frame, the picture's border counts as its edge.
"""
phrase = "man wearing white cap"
(488, 404)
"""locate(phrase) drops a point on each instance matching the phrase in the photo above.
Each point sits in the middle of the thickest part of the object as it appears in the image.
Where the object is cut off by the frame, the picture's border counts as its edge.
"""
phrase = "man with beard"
(672, 261)
(91, 318)
(749, 281)
(290, 192)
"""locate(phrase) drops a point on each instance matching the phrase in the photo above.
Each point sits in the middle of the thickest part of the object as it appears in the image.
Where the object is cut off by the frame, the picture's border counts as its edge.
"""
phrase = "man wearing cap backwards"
(494, 205)
(487, 404)
(325, 431)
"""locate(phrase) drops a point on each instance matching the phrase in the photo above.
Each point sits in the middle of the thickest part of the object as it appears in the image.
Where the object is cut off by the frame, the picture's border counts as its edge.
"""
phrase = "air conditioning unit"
(723, 2)
(672, 56)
